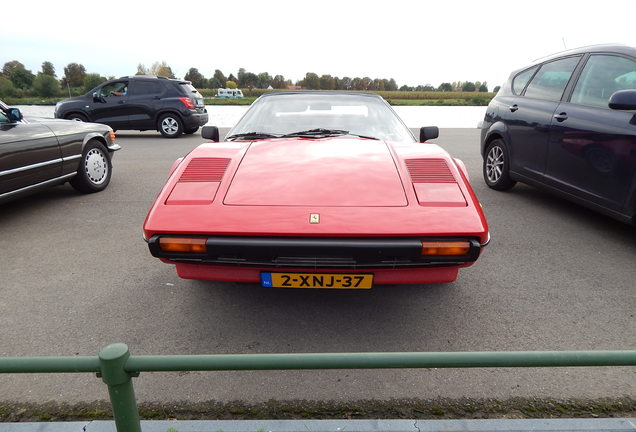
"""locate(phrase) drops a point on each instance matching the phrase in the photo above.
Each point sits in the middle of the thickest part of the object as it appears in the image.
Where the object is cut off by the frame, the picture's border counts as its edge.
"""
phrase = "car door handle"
(560, 117)
(513, 108)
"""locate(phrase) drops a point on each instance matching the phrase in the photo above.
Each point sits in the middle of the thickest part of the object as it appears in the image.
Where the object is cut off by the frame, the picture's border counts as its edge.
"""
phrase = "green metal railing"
(117, 367)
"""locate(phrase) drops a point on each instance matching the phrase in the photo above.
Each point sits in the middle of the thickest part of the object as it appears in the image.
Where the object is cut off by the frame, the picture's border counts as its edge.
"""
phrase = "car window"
(521, 79)
(602, 76)
(3, 118)
(189, 90)
(146, 88)
(114, 89)
(551, 79)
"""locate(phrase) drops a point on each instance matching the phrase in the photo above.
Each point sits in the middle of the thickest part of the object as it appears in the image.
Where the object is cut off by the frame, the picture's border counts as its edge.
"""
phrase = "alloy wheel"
(170, 126)
(494, 164)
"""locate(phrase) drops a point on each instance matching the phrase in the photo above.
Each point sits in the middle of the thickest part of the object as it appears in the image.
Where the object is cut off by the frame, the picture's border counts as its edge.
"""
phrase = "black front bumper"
(294, 252)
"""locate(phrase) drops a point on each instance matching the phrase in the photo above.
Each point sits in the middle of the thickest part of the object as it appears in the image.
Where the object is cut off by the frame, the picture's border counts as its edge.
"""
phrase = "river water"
(413, 116)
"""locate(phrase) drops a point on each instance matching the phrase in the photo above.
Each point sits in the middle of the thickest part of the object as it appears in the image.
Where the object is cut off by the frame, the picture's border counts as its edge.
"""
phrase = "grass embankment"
(518, 408)
(393, 97)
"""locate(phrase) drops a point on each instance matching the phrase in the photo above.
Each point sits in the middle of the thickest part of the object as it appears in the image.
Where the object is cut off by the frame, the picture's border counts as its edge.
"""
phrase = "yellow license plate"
(317, 280)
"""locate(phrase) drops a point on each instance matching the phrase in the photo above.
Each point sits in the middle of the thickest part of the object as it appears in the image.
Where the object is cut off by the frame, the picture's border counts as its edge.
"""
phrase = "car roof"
(151, 77)
(601, 48)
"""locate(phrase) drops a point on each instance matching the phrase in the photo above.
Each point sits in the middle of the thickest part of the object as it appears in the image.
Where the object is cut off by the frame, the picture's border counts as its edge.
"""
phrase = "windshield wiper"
(320, 132)
(252, 135)
(363, 136)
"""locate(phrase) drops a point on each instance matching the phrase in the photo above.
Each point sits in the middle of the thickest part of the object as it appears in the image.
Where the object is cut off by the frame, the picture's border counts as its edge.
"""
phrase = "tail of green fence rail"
(117, 367)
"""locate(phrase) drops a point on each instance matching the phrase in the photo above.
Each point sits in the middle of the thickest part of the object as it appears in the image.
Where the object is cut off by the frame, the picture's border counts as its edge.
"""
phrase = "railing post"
(120, 387)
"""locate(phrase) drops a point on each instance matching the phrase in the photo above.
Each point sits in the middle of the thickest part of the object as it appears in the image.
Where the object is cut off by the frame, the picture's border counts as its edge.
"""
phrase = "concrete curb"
(535, 425)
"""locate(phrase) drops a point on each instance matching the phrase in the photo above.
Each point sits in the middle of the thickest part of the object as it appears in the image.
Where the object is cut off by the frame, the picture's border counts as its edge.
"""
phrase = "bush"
(46, 86)
(6, 87)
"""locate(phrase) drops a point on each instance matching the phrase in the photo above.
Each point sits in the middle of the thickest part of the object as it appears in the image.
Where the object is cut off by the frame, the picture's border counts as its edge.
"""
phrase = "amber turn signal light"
(445, 248)
(182, 244)
(112, 136)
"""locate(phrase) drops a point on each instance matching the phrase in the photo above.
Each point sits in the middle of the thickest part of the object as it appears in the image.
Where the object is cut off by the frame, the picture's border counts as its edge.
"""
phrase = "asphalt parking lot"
(76, 276)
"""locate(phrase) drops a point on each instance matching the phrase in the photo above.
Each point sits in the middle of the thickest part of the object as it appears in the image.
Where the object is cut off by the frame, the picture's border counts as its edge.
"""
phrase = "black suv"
(142, 103)
(567, 123)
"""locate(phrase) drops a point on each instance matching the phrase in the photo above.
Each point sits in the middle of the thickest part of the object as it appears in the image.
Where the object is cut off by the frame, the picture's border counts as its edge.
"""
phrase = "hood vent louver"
(434, 183)
(429, 171)
(205, 170)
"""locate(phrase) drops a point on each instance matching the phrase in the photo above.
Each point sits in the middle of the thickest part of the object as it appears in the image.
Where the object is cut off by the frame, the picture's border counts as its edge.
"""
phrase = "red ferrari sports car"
(318, 190)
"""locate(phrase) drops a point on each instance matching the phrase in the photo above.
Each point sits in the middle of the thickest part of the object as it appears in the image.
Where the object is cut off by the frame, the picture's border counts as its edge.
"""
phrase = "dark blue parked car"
(567, 123)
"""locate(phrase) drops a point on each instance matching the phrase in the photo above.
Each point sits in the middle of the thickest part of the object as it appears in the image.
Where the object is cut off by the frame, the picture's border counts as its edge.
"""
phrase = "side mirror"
(98, 98)
(15, 115)
(428, 132)
(623, 100)
(210, 132)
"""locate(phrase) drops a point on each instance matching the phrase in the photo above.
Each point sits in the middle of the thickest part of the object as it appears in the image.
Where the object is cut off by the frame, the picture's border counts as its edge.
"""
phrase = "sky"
(414, 42)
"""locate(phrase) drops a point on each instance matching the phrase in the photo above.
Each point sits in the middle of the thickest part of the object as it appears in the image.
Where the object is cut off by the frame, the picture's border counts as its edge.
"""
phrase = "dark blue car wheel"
(497, 166)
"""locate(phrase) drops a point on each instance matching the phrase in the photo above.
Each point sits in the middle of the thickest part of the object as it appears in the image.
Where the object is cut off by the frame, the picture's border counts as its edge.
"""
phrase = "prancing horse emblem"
(314, 218)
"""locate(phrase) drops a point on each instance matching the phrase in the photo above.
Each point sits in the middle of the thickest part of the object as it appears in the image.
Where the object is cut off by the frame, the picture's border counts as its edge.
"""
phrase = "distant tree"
(365, 83)
(264, 80)
(46, 85)
(219, 77)
(496, 89)
(92, 80)
(279, 82)
(232, 78)
(48, 68)
(247, 79)
(74, 75)
(345, 83)
(6, 87)
(391, 86)
(142, 70)
(10, 66)
(424, 88)
(161, 69)
(406, 88)
(230, 84)
(468, 87)
(483, 88)
(18, 74)
(311, 81)
(214, 83)
(195, 77)
(327, 82)
(241, 72)
(445, 87)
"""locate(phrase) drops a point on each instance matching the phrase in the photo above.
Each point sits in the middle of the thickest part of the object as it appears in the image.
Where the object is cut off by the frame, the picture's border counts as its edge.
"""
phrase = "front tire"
(170, 125)
(94, 172)
(496, 168)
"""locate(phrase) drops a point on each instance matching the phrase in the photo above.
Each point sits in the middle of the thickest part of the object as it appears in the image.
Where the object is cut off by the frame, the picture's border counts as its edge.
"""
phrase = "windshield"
(332, 114)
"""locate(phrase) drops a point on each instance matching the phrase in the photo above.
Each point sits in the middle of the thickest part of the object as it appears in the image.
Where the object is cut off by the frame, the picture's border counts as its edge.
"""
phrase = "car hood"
(60, 126)
(327, 172)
